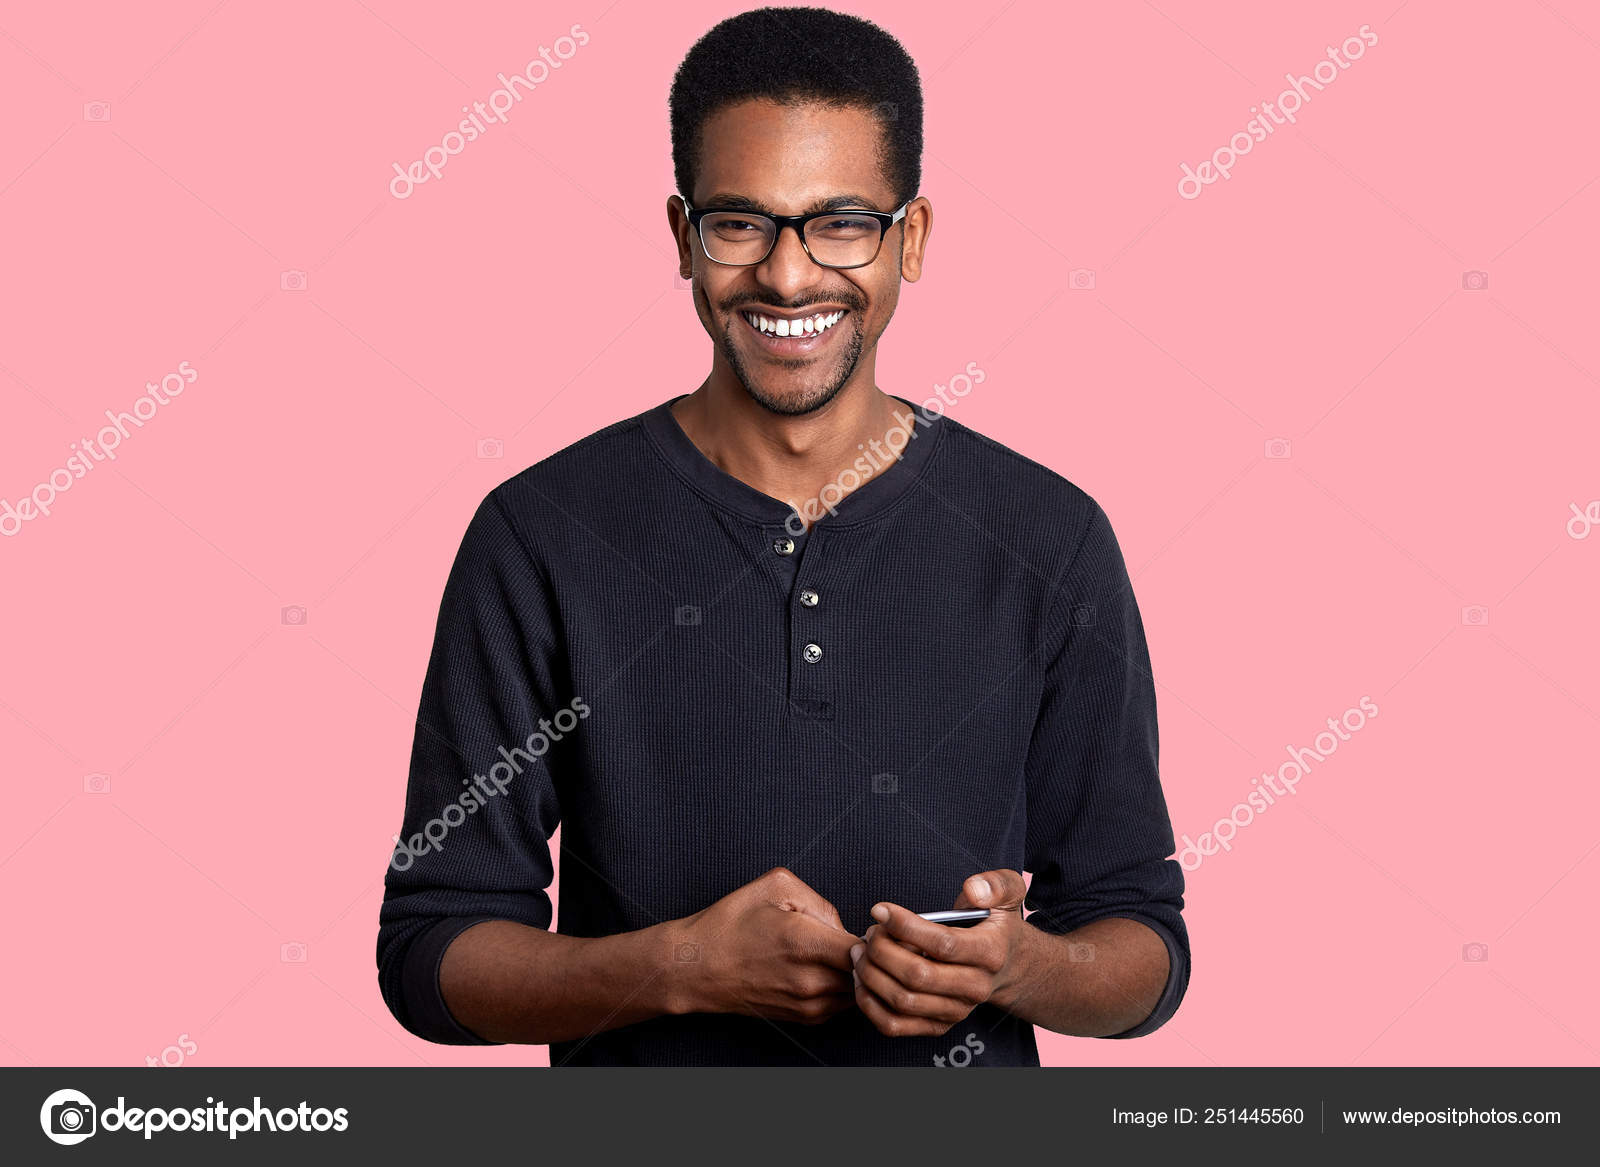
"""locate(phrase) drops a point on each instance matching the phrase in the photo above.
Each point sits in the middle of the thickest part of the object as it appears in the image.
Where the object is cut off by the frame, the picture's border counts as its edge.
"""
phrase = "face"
(792, 160)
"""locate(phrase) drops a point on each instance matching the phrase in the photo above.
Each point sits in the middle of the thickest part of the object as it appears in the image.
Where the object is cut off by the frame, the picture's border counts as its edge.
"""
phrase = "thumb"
(796, 895)
(1000, 890)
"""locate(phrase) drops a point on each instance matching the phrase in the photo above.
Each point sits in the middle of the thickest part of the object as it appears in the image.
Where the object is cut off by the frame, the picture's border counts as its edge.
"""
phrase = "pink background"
(328, 457)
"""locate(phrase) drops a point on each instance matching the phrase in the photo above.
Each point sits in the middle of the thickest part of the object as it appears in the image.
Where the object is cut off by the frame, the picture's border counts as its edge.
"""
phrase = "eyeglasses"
(843, 239)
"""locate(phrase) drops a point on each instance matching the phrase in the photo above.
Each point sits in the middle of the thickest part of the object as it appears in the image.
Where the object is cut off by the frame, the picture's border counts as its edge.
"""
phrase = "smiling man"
(772, 733)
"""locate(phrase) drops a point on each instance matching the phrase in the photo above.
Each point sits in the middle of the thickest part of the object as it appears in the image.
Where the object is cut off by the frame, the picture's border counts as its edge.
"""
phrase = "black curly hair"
(793, 55)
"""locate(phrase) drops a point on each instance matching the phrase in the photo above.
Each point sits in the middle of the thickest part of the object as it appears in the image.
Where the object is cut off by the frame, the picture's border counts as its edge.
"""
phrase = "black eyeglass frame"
(885, 219)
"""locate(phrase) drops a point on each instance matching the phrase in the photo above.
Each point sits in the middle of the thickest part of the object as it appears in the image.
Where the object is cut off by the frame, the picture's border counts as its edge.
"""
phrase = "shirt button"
(783, 546)
(809, 598)
(812, 653)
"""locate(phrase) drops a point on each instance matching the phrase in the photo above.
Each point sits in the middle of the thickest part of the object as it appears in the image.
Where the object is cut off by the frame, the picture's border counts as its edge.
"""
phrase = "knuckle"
(811, 987)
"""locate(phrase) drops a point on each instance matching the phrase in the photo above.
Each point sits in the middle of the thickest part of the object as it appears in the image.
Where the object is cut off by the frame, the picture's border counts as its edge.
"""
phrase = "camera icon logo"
(682, 282)
(1475, 615)
(97, 784)
(1080, 952)
(97, 111)
(294, 614)
(490, 448)
(1083, 615)
(292, 281)
(885, 784)
(1081, 279)
(886, 111)
(294, 952)
(687, 615)
(1475, 281)
(1276, 448)
(1474, 953)
(68, 1117)
(686, 953)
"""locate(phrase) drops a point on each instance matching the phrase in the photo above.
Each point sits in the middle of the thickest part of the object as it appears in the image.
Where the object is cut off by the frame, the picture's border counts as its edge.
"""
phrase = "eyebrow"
(734, 202)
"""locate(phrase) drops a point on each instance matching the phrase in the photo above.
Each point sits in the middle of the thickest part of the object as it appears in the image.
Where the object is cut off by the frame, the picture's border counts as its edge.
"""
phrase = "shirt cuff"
(429, 1016)
(1177, 981)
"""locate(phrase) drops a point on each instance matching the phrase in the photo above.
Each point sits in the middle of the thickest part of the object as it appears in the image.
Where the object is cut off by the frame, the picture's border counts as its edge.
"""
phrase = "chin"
(787, 394)
(792, 402)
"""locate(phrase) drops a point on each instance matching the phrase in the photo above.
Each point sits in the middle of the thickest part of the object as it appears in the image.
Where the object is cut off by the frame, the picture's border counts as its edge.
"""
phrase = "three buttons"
(783, 545)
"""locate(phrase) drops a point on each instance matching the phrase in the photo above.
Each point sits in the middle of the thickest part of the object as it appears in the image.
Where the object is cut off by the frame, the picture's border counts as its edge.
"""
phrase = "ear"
(917, 226)
(682, 233)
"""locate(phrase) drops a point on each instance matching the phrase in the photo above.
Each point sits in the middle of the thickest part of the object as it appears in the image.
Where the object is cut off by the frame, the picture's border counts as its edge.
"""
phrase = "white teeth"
(808, 326)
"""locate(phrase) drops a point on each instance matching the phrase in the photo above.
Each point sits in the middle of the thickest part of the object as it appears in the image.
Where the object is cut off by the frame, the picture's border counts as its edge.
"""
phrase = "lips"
(789, 335)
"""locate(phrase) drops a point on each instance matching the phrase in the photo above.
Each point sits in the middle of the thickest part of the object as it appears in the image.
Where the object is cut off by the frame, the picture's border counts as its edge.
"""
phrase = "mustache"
(851, 301)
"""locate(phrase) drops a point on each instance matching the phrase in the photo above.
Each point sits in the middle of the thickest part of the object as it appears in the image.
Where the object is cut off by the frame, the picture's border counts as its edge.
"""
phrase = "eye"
(844, 226)
(732, 227)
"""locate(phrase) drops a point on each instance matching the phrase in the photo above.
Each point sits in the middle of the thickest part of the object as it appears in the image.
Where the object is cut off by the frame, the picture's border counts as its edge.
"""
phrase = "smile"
(793, 334)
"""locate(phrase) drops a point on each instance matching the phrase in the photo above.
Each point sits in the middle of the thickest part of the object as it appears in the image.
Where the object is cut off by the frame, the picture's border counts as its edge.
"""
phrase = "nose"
(787, 269)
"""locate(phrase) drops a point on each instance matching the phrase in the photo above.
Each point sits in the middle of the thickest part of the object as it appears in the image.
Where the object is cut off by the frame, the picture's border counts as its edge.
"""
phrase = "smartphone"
(958, 918)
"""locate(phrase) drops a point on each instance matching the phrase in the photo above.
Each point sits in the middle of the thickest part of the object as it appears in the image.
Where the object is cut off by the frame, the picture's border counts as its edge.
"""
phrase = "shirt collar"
(884, 478)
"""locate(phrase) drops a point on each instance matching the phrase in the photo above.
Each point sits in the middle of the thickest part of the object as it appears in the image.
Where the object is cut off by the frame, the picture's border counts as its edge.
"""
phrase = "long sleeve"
(481, 803)
(1098, 834)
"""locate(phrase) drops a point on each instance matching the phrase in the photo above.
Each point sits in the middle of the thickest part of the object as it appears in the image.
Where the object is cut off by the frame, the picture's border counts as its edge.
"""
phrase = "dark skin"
(775, 948)
(915, 978)
(787, 426)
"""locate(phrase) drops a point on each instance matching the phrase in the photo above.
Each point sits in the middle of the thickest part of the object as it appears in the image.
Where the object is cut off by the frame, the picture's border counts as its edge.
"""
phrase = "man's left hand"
(915, 978)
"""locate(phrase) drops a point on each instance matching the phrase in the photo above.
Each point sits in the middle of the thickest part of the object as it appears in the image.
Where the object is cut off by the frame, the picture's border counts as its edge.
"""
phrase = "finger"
(936, 940)
(797, 895)
(996, 890)
(823, 943)
(877, 930)
(891, 1024)
(899, 999)
(917, 974)
(834, 983)
(836, 1003)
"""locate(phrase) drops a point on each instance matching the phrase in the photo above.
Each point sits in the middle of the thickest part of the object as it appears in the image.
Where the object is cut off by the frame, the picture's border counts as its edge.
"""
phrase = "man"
(789, 660)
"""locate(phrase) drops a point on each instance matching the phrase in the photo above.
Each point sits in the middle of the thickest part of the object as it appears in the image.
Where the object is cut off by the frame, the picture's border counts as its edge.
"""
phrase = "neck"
(792, 459)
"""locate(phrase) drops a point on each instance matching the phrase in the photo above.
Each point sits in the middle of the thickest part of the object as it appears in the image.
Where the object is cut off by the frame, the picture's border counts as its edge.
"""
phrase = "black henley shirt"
(947, 674)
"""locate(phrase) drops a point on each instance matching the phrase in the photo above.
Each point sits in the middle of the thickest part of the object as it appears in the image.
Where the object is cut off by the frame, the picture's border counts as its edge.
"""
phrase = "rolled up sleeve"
(1098, 834)
(481, 802)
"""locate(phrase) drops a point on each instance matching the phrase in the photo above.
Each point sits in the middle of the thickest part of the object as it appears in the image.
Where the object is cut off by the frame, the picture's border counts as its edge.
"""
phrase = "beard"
(807, 395)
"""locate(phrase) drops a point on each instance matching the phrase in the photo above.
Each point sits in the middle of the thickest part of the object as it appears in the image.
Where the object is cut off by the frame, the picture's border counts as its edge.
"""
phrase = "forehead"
(789, 156)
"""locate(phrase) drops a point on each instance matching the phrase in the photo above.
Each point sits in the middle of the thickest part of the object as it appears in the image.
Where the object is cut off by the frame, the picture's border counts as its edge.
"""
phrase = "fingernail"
(880, 913)
(855, 953)
(981, 889)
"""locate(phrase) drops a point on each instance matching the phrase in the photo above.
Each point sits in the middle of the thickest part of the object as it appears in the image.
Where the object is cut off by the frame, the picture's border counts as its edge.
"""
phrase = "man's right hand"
(773, 948)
